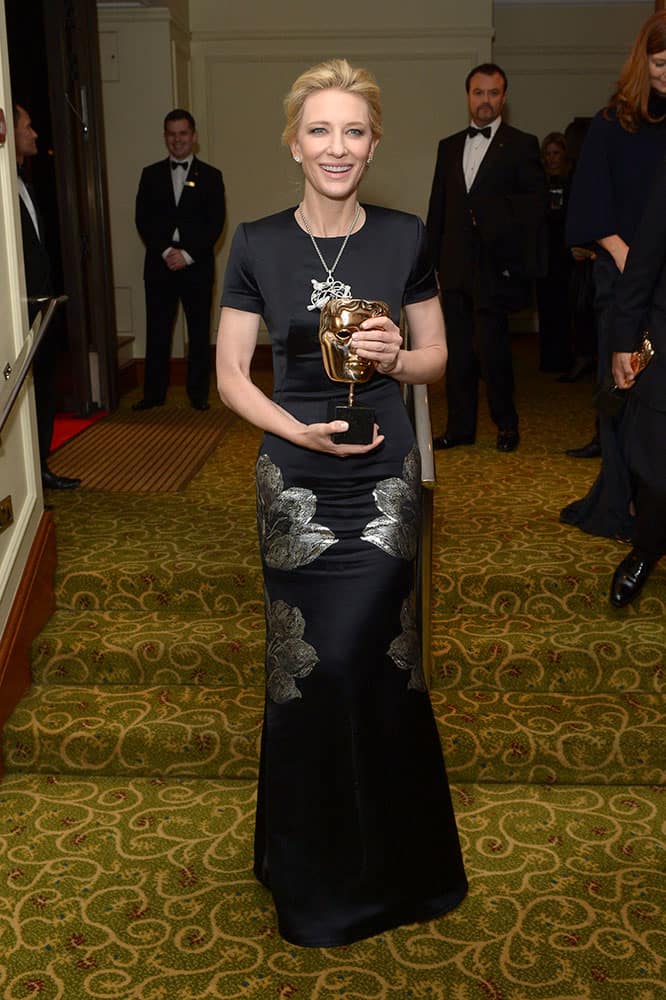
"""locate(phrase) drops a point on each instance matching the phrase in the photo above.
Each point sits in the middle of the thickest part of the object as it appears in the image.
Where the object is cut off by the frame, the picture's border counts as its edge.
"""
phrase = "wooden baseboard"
(33, 606)
(128, 378)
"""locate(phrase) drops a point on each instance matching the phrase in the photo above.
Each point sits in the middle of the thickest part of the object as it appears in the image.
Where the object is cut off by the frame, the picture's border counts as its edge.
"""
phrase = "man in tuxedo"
(38, 285)
(486, 230)
(180, 213)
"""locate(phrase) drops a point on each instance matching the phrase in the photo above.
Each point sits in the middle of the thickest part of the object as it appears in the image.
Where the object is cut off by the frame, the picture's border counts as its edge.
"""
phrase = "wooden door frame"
(75, 93)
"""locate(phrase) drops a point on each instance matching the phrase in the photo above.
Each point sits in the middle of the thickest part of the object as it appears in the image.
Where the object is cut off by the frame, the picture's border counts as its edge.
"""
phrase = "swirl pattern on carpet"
(126, 811)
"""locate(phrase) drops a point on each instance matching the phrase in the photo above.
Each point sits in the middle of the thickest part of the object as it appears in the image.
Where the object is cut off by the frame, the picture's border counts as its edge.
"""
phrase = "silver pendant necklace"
(322, 291)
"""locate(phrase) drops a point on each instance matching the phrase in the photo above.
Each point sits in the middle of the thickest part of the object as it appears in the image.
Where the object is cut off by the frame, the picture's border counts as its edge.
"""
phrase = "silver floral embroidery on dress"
(288, 536)
(397, 530)
(405, 650)
(288, 656)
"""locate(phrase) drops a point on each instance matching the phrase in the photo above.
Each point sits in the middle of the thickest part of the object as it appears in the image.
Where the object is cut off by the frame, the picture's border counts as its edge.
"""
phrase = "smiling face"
(485, 98)
(657, 71)
(179, 137)
(334, 142)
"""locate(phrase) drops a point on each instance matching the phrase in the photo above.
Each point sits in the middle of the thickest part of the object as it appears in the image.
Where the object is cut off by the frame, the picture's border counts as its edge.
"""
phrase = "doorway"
(54, 67)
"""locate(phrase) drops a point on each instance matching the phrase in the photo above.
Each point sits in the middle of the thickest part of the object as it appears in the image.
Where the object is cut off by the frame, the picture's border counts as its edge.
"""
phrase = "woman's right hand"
(318, 437)
(623, 373)
(617, 248)
(620, 257)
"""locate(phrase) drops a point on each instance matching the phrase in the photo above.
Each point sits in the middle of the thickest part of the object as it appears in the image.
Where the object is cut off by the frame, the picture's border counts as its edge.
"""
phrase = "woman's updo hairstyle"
(334, 74)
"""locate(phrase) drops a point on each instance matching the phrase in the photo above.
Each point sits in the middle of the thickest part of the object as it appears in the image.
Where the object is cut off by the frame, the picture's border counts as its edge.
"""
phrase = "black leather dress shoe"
(200, 404)
(145, 404)
(508, 440)
(445, 441)
(629, 577)
(590, 450)
(52, 482)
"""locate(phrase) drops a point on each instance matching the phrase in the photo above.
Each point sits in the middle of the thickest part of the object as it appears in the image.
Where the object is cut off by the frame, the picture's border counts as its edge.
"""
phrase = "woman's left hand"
(378, 339)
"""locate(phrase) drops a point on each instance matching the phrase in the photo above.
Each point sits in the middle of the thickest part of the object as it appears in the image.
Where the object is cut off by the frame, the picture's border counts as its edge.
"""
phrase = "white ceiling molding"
(132, 3)
(566, 3)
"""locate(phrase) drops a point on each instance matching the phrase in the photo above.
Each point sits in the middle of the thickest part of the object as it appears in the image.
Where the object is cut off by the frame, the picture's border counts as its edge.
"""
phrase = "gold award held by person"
(340, 318)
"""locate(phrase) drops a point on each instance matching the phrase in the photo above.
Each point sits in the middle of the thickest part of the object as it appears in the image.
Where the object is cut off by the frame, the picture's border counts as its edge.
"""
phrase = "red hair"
(630, 100)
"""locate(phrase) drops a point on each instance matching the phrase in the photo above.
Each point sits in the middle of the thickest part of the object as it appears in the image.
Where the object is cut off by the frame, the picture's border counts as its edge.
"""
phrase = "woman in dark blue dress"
(623, 147)
(355, 831)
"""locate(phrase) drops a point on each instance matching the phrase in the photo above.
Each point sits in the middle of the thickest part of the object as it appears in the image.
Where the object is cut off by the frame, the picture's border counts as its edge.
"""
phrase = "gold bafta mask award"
(340, 318)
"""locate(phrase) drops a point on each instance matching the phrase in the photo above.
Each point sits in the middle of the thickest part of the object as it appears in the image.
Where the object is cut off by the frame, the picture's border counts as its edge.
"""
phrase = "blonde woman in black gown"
(355, 831)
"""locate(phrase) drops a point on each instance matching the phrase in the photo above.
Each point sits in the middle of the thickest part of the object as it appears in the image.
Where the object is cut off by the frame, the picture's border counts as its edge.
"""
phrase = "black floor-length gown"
(355, 830)
(610, 187)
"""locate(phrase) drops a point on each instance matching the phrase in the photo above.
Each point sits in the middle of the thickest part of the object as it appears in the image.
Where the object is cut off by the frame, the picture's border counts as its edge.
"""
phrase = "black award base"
(361, 420)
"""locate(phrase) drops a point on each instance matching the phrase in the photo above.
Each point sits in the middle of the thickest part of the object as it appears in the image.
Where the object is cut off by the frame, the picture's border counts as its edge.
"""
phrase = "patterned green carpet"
(126, 814)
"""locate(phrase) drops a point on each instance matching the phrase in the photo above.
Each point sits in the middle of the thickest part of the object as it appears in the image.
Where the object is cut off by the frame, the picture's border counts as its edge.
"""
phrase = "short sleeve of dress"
(591, 212)
(241, 290)
(422, 283)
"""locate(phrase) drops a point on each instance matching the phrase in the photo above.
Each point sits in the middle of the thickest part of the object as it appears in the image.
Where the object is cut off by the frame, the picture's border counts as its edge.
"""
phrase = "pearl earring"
(369, 160)
(297, 159)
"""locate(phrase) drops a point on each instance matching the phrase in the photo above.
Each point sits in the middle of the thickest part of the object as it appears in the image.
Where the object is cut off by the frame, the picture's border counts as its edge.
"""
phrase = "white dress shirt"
(474, 151)
(178, 177)
(24, 194)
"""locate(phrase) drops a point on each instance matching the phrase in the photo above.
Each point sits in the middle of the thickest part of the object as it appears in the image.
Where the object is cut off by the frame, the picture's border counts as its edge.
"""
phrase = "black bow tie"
(185, 163)
(485, 132)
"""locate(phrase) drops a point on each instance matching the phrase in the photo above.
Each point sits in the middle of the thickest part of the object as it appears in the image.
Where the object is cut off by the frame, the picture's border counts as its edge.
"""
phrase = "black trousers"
(645, 443)
(479, 346)
(194, 290)
(650, 526)
(44, 375)
(552, 293)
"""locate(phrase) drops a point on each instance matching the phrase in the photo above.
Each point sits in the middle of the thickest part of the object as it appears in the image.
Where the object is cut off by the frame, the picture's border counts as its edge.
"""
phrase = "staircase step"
(519, 653)
(214, 732)
(107, 873)
(158, 647)
(531, 564)
(147, 554)
(483, 652)
(540, 590)
(602, 739)
(176, 586)
(119, 729)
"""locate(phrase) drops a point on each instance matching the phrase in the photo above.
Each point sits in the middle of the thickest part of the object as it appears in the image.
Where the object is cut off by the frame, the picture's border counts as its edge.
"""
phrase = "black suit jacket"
(35, 257)
(499, 225)
(199, 216)
(640, 299)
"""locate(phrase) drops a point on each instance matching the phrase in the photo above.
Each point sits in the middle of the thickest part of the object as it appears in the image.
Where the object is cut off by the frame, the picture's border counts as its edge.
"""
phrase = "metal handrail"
(13, 375)
(418, 403)
(423, 434)
(420, 408)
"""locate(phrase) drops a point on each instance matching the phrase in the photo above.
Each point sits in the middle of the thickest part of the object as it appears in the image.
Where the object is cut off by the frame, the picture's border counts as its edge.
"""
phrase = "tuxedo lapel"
(192, 179)
(166, 183)
(458, 174)
(27, 224)
(38, 235)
